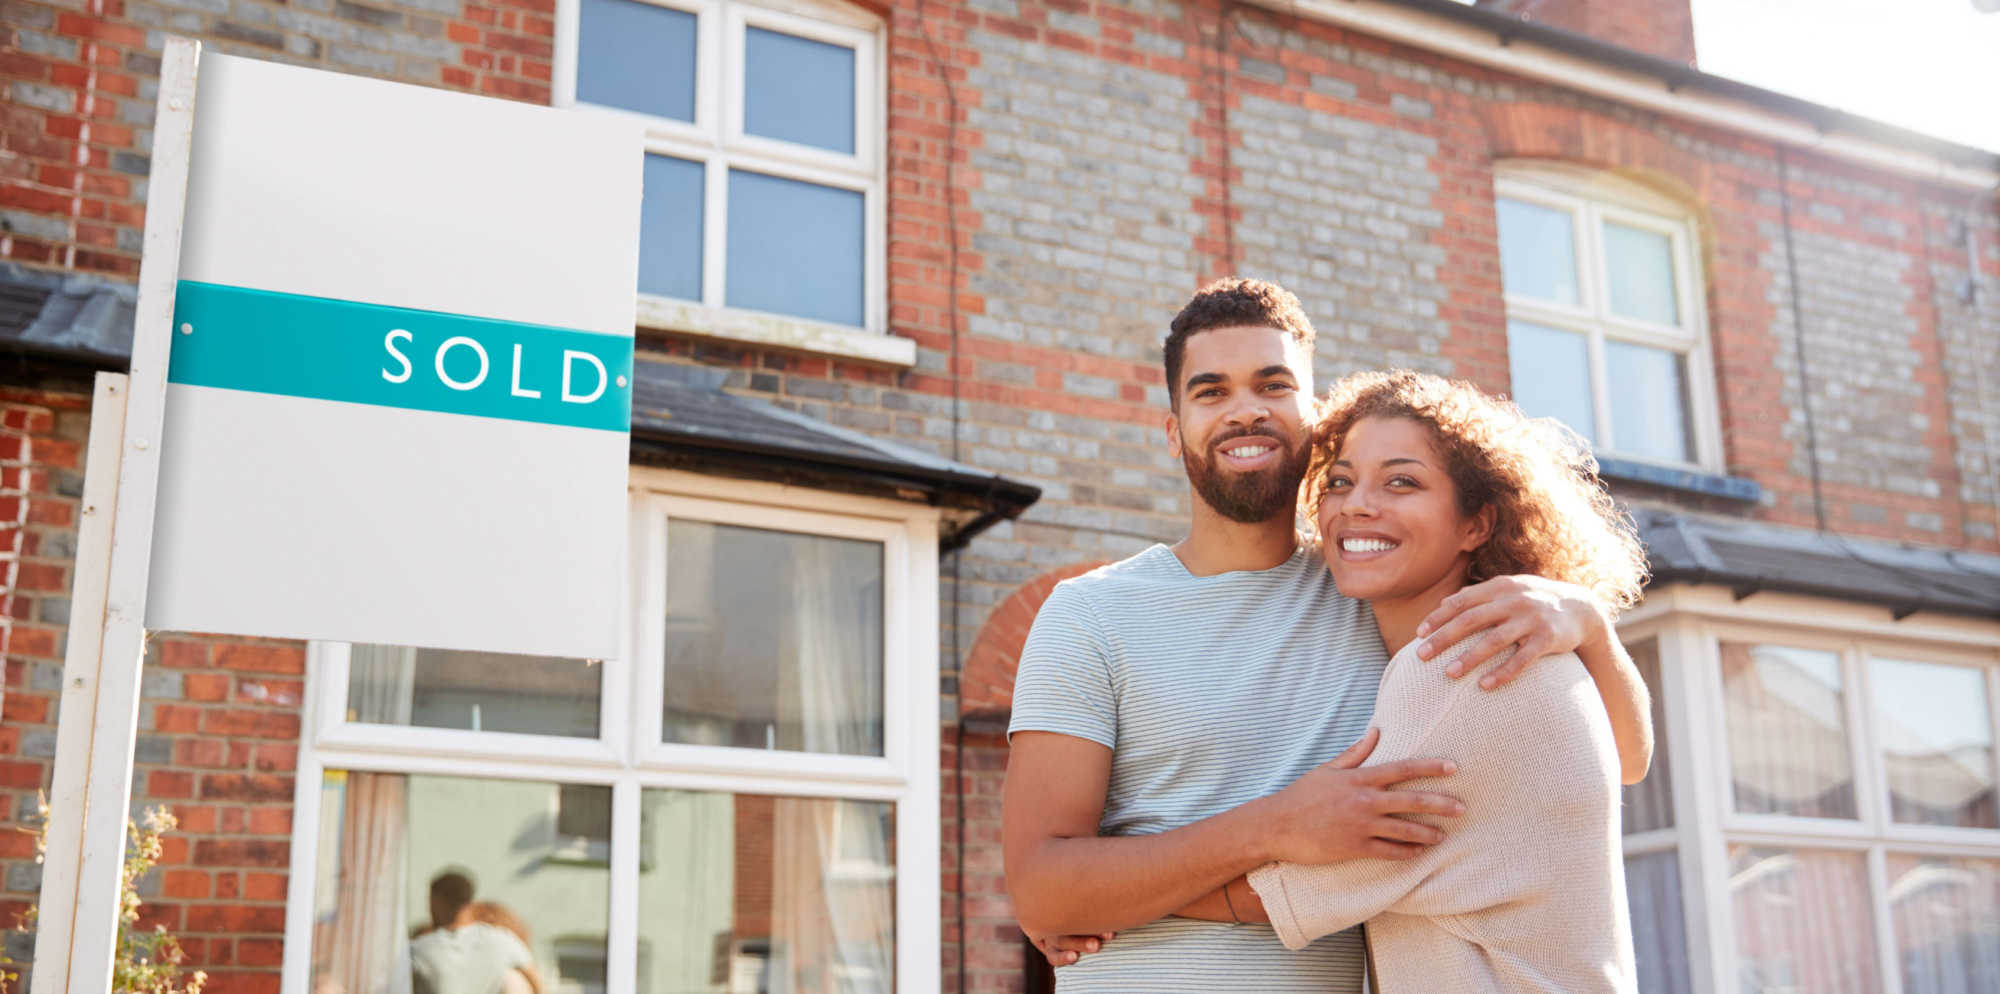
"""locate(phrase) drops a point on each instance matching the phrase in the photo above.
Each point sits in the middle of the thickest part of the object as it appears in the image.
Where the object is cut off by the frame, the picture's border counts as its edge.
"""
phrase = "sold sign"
(300, 346)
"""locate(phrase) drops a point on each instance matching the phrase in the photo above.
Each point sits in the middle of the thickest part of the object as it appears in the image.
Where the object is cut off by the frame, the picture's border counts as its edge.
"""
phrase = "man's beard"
(1248, 497)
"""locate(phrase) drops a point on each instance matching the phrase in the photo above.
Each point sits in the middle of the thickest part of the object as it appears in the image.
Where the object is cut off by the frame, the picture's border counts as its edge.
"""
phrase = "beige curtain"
(1787, 725)
(1804, 921)
(833, 915)
(368, 945)
(1947, 915)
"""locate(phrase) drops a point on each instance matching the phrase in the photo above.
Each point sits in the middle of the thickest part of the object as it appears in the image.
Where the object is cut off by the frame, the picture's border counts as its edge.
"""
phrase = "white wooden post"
(97, 725)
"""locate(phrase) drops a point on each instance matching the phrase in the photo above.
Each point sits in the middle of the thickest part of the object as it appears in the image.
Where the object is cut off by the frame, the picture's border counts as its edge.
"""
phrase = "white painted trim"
(89, 899)
(308, 790)
(1704, 858)
(1523, 57)
(778, 331)
(82, 685)
(1935, 632)
(779, 495)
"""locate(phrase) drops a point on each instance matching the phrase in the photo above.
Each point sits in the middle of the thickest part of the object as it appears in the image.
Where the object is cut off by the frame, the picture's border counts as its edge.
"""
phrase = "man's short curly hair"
(1232, 303)
(1552, 517)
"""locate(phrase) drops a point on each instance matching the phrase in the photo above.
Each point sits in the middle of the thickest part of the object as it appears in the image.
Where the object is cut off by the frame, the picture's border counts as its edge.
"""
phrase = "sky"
(1928, 65)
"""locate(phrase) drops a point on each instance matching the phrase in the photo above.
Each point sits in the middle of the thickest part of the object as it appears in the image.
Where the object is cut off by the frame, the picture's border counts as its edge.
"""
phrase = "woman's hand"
(1062, 950)
(1529, 616)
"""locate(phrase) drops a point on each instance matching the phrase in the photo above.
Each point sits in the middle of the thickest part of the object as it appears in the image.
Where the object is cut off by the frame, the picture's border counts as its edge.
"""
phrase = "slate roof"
(680, 415)
(1750, 556)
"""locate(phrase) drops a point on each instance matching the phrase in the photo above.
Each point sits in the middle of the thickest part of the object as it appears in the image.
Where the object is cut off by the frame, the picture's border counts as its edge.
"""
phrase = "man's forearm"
(1626, 701)
(1073, 886)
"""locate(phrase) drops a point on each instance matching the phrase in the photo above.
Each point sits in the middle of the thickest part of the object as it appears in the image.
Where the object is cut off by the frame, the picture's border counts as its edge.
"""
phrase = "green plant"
(144, 962)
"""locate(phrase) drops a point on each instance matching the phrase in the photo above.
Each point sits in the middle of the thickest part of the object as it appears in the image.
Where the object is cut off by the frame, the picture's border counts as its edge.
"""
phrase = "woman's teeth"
(1366, 545)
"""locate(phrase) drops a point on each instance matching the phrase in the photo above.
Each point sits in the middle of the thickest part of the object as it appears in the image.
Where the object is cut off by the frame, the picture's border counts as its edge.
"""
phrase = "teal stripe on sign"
(319, 347)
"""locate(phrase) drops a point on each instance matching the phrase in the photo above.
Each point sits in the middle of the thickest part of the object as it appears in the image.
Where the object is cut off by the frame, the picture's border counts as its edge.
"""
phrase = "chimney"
(1662, 28)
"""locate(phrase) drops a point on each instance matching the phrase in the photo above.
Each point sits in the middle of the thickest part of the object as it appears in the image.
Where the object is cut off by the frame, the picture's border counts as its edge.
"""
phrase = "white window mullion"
(1692, 686)
(714, 231)
(1871, 775)
(621, 938)
(1885, 925)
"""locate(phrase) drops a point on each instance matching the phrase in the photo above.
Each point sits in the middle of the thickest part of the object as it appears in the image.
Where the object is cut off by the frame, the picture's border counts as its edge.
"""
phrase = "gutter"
(1577, 62)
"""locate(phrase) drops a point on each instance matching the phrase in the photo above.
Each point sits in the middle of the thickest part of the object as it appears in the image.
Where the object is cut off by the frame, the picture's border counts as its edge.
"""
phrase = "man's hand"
(1528, 615)
(1062, 950)
(1338, 811)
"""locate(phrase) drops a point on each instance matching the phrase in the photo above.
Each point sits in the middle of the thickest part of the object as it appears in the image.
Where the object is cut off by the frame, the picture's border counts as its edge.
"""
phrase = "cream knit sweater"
(1527, 891)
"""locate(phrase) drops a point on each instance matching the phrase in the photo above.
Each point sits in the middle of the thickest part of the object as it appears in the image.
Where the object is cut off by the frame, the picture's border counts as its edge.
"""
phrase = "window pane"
(1649, 804)
(741, 892)
(1937, 742)
(478, 691)
(637, 56)
(774, 640)
(798, 90)
(466, 884)
(1659, 937)
(1640, 267)
(1551, 373)
(670, 219)
(1947, 915)
(1787, 722)
(1802, 921)
(1648, 402)
(1537, 251)
(794, 248)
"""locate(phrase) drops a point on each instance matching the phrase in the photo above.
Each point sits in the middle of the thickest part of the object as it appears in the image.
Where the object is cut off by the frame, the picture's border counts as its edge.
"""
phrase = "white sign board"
(399, 394)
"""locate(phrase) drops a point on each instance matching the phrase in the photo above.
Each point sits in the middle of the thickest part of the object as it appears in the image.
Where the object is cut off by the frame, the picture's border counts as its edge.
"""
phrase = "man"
(1173, 712)
(459, 954)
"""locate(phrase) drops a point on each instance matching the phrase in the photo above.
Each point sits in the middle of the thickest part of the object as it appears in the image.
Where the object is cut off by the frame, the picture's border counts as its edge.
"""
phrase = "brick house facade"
(1058, 176)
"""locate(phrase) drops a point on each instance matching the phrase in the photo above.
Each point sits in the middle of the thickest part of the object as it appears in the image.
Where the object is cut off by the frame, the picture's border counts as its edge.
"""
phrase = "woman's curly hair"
(1552, 518)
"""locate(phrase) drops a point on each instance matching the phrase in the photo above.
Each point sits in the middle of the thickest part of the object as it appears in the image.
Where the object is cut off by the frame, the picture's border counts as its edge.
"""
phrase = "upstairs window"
(763, 179)
(1605, 329)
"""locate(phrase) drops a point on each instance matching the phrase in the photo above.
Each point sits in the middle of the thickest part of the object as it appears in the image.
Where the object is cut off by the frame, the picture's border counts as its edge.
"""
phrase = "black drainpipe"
(1799, 337)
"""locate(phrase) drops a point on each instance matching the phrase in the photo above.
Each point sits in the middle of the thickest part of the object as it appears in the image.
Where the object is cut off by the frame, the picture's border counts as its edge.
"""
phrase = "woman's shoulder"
(1540, 687)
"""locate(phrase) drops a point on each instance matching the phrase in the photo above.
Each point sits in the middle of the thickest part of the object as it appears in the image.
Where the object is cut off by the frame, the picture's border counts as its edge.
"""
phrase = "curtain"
(1787, 731)
(368, 945)
(1947, 915)
(1804, 921)
(833, 915)
(1659, 939)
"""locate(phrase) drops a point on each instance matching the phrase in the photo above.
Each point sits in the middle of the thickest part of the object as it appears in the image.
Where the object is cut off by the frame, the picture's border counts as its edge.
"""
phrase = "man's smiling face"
(1240, 420)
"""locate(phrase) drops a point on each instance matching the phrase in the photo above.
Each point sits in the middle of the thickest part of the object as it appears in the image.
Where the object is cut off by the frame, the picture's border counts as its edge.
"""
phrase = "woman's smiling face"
(1389, 521)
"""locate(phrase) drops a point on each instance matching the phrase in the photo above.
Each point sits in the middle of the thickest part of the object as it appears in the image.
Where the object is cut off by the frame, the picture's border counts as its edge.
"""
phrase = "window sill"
(775, 331)
(1691, 481)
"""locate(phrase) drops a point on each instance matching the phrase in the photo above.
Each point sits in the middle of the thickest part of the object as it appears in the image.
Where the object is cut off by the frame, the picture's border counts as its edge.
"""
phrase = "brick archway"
(986, 682)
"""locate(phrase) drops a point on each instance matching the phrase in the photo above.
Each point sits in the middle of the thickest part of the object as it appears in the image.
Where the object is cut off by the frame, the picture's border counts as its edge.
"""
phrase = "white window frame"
(1591, 199)
(625, 759)
(1691, 622)
(716, 139)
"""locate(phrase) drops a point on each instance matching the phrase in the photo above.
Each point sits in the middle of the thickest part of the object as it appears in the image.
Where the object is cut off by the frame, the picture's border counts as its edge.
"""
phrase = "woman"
(1422, 486)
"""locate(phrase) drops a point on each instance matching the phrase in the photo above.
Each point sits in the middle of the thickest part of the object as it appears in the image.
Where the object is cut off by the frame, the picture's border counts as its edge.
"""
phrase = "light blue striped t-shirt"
(1210, 691)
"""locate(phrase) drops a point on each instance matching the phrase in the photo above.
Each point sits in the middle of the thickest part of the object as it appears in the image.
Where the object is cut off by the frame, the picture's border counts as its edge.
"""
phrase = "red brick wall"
(1656, 27)
(218, 724)
(79, 81)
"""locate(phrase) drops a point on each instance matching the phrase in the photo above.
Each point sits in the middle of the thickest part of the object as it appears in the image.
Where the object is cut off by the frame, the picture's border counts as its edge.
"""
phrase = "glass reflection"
(1937, 742)
(638, 56)
(1787, 720)
(432, 885)
(1649, 804)
(1648, 402)
(798, 90)
(475, 691)
(1640, 267)
(752, 893)
(1537, 251)
(1803, 921)
(774, 640)
(1947, 915)
(1551, 375)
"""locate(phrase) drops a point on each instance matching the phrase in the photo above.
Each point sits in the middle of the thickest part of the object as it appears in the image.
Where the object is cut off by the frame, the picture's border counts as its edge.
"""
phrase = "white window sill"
(775, 331)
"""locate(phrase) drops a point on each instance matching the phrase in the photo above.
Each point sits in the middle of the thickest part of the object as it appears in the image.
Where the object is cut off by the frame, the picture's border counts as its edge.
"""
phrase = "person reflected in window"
(472, 947)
